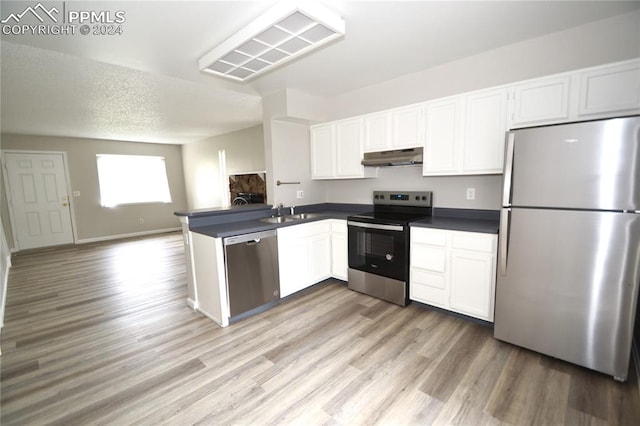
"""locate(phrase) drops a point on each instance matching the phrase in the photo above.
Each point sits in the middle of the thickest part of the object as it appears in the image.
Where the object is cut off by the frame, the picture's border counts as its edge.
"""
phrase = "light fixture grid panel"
(296, 22)
(297, 31)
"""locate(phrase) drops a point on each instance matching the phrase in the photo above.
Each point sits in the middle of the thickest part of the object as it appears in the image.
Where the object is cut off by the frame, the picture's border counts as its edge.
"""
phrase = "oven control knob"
(424, 198)
(388, 256)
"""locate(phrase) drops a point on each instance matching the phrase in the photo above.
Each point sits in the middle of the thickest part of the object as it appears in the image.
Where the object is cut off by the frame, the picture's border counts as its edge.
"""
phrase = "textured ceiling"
(144, 85)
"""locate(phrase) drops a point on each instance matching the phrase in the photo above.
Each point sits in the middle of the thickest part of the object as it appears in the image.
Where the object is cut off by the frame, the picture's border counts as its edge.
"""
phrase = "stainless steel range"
(379, 244)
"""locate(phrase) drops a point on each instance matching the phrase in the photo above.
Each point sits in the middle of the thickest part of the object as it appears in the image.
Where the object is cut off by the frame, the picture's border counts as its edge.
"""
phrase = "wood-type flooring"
(101, 334)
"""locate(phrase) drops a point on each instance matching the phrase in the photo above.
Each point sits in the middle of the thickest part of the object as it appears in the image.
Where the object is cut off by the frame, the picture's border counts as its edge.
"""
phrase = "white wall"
(600, 42)
(291, 163)
(244, 153)
(608, 40)
(448, 191)
(287, 115)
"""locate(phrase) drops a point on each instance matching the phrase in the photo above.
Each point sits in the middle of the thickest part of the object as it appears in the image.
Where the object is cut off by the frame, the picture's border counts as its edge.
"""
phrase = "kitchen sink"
(300, 216)
(290, 218)
(276, 219)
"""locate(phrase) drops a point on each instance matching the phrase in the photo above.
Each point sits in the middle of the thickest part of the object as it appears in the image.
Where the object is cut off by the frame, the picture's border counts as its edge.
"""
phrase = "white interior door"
(38, 199)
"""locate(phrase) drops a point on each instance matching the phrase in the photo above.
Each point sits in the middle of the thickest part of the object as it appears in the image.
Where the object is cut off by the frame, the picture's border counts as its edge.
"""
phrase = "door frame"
(7, 189)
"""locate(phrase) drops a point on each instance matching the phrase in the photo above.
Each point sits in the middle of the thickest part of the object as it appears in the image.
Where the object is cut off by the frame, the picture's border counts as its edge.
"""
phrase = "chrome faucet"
(280, 207)
(292, 208)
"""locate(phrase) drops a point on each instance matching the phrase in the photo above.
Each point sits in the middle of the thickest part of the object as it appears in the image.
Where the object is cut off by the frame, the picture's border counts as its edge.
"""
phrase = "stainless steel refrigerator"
(569, 252)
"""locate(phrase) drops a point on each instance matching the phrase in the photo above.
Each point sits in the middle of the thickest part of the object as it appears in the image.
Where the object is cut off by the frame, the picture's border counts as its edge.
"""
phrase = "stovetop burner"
(397, 208)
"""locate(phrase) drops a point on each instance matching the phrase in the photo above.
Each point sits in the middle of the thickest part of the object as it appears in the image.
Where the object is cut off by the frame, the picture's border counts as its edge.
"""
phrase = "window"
(132, 179)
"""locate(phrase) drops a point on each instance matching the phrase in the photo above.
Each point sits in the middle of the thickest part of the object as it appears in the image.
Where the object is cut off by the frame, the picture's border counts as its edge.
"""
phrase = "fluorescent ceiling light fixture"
(286, 31)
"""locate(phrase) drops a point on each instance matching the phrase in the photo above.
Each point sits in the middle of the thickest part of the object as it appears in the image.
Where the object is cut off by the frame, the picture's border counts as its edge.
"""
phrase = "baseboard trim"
(132, 234)
(192, 304)
(5, 283)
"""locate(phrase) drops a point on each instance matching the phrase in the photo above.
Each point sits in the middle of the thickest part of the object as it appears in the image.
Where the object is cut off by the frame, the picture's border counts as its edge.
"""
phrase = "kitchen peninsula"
(312, 245)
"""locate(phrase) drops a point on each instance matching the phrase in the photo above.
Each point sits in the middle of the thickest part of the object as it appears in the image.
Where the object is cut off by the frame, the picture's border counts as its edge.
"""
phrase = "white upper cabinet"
(349, 138)
(443, 131)
(337, 150)
(541, 101)
(465, 134)
(398, 128)
(323, 151)
(408, 127)
(377, 132)
(485, 127)
(610, 90)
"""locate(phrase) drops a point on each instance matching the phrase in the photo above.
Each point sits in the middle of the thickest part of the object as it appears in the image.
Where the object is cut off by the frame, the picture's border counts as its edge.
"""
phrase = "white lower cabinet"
(454, 270)
(209, 277)
(304, 255)
(339, 249)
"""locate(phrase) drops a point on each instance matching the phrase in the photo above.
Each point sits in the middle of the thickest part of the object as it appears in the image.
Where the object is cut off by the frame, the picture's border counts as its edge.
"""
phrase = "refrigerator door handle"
(508, 170)
(503, 241)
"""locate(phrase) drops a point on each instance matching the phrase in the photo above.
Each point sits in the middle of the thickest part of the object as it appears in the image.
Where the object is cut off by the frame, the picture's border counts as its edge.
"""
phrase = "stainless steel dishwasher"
(253, 279)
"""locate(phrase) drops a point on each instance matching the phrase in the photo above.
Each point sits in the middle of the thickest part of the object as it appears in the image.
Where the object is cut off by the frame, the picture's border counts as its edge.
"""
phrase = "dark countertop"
(220, 227)
(217, 211)
(459, 224)
(485, 221)
(237, 220)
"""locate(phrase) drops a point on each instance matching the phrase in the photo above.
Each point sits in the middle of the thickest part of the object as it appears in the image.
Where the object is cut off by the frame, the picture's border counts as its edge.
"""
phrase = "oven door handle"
(376, 226)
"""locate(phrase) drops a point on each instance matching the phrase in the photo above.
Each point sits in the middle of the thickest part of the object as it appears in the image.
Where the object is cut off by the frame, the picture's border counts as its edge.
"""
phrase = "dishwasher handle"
(249, 239)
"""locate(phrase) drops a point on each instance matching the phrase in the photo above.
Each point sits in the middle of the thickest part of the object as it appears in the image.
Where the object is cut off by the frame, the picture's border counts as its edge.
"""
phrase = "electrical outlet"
(471, 193)
(300, 194)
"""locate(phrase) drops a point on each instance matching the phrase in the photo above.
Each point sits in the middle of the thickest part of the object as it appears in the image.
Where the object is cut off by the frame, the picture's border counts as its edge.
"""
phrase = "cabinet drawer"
(428, 287)
(429, 236)
(428, 257)
(474, 241)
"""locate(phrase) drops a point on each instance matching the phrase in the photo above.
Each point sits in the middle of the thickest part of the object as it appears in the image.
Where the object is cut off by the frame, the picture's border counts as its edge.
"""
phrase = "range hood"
(398, 157)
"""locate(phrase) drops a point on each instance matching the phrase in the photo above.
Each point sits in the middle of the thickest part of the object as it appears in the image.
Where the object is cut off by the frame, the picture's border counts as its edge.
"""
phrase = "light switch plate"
(300, 194)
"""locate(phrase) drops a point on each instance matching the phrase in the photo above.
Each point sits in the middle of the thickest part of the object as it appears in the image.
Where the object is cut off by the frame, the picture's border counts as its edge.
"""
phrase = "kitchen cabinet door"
(339, 250)
(319, 257)
(349, 137)
(473, 273)
(304, 255)
(323, 151)
(377, 132)
(337, 151)
(442, 144)
(543, 101)
(293, 258)
(611, 90)
(408, 127)
(485, 127)
(472, 283)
